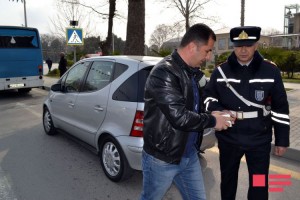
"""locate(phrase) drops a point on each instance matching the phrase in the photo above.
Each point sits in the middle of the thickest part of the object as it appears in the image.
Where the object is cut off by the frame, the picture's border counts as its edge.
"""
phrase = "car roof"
(146, 59)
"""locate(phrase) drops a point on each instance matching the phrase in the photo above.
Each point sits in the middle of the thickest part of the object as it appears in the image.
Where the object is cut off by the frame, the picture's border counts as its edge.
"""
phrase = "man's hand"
(279, 151)
(222, 122)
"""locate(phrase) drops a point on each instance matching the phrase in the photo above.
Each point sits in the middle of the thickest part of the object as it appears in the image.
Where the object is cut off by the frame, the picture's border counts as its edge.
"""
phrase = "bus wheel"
(24, 90)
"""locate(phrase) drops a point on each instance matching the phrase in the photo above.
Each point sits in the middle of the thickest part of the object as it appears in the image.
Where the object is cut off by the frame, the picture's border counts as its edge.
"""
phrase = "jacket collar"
(254, 64)
(191, 71)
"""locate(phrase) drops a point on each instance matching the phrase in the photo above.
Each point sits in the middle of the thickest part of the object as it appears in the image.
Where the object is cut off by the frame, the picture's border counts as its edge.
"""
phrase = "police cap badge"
(245, 35)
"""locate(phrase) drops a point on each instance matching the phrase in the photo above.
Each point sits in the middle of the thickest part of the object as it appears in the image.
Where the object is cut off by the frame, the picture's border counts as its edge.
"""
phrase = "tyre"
(113, 160)
(48, 123)
(24, 90)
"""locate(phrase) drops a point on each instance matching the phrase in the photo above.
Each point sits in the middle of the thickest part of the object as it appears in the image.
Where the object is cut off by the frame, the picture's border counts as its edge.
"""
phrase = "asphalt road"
(35, 166)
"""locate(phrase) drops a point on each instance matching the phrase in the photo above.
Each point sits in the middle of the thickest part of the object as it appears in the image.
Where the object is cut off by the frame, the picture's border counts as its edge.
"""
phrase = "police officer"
(249, 88)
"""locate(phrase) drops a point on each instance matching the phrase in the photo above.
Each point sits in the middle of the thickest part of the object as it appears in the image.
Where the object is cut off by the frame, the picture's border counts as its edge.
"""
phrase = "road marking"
(22, 105)
(273, 168)
(5, 189)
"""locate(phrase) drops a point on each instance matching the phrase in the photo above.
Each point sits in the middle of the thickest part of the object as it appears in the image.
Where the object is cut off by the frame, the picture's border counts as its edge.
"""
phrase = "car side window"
(119, 69)
(132, 89)
(75, 76)
(99, 75)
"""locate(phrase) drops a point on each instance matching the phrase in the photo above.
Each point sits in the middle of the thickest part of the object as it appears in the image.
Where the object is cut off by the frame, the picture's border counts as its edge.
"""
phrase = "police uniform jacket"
(260, 82)
(168, 112)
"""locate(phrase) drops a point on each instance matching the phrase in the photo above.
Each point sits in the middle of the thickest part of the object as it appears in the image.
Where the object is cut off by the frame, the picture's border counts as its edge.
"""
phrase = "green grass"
(291, 80)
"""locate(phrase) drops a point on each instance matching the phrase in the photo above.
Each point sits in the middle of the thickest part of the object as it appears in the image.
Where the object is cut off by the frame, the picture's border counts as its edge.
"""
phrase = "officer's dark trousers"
(258, 161)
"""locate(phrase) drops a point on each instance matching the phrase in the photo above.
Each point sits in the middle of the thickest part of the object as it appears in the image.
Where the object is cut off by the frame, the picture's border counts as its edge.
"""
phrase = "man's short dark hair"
(198, 33)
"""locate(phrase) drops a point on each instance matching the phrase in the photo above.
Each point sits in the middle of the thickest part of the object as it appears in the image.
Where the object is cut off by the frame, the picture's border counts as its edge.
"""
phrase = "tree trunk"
(135, 37)
(106, 46)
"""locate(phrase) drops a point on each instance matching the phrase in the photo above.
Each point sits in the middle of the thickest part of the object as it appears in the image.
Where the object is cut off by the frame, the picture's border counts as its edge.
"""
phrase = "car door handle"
(98, 108)
(71, 105)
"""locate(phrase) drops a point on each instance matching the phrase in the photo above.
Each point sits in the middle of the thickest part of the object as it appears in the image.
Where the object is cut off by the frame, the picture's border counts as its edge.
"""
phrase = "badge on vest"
(259, 95)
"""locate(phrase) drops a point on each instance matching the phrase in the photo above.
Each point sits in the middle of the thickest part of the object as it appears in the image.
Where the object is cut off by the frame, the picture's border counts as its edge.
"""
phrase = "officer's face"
(245, 53)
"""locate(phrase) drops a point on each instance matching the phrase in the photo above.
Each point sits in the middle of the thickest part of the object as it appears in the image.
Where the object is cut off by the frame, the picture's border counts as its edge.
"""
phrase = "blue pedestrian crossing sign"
(74, 36)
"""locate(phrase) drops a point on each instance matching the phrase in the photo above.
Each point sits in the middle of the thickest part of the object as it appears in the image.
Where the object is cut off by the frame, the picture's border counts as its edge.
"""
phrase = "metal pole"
(74, 54)
(25, 16)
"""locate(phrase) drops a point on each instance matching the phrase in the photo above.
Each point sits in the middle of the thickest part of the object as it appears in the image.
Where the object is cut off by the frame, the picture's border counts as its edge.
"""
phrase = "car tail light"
(138, 124)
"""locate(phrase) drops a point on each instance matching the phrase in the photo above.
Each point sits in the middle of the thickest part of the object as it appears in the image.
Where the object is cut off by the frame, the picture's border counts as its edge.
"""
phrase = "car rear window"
(132, 89)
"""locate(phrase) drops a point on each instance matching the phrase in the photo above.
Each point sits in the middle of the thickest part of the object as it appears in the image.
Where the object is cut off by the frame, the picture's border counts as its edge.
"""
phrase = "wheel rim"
(47, 121)
(111, 159)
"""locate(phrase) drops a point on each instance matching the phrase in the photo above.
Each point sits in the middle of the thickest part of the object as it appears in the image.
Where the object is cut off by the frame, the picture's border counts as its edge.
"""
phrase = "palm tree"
(25, 16)
(242, 12)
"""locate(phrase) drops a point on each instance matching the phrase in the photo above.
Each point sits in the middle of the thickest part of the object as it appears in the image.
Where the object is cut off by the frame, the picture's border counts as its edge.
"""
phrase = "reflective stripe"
(261, 80)
(209, 98)
(280, 121)
(229, 80)
(206, 106)
(280, 115)
(249, 37)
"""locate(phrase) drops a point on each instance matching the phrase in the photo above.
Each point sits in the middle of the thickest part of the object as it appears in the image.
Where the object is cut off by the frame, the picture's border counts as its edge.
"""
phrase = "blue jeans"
(158, 177)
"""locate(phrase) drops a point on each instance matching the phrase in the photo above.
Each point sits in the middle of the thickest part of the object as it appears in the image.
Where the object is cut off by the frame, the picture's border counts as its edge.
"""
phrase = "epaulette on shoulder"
(221, 63)
(269, 61)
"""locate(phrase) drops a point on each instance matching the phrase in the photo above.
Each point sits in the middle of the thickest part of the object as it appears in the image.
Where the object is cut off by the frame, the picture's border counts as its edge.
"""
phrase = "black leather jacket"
(168, 115)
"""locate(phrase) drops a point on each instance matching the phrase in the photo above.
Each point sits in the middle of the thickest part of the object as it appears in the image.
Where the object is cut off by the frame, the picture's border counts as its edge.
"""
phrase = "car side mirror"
(56, 87)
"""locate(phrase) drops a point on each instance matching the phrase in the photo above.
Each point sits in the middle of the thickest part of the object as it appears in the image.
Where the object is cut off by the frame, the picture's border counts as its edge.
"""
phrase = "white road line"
(5, 189)
(24, 106)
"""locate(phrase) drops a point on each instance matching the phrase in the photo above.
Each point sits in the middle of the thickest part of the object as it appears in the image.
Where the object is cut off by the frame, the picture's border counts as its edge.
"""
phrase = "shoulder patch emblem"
(259, 95)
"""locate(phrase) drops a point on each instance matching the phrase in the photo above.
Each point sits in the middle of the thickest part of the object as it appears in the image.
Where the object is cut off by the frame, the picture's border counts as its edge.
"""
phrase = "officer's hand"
(222, 122)
(279, 151)
(232, 115)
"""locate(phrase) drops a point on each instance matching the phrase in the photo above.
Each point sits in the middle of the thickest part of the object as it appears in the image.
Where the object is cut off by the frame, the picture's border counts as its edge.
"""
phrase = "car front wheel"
(113, 160)
(47, 123)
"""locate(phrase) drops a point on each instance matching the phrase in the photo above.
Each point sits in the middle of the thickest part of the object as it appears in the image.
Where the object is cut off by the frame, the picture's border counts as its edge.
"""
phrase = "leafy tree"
(222, 58)
(52, 46)
(288, 61)
(91, 45)
(135, 37)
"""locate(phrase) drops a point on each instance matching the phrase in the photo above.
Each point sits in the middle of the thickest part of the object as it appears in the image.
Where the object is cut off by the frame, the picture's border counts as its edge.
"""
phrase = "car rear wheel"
(47, 123)
(113, 160)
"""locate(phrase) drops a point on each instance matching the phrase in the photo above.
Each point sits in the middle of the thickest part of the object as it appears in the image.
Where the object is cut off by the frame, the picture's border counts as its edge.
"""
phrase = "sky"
(268, 14)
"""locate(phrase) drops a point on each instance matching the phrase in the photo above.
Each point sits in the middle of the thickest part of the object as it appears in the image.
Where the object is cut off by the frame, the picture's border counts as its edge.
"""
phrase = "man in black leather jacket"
(173, 119)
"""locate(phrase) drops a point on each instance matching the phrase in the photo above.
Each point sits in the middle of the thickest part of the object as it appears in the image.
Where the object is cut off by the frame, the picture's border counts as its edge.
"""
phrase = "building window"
(222, 44)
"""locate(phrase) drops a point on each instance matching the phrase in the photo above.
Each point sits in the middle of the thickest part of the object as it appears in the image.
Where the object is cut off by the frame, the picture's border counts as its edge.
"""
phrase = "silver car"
(100, 101)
